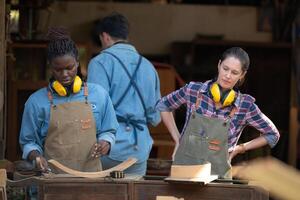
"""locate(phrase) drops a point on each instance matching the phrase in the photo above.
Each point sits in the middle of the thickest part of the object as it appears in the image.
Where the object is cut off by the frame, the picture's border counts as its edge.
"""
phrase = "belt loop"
(50, 97)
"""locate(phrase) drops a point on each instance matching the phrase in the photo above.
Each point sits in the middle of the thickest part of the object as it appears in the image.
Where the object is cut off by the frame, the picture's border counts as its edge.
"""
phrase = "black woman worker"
(70, 121)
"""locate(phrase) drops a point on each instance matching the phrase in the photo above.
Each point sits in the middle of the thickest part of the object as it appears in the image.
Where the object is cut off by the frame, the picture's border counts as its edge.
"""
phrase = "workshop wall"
(155, 26)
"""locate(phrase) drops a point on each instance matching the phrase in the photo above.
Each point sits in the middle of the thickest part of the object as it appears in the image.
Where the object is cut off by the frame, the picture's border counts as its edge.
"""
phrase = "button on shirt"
(36, 116)
(247, 112)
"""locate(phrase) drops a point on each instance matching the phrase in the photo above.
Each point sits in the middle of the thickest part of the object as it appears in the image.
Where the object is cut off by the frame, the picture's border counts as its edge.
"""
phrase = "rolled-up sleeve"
(29, 135)
(153, 115)
(263, 124)
(173, 100)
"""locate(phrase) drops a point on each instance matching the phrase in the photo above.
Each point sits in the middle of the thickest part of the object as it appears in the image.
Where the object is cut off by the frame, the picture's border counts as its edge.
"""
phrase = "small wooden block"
(190, 171)
(3, 177)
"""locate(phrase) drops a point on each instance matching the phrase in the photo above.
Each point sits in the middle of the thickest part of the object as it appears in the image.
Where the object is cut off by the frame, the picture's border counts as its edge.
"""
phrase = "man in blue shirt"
(133, 85)
(69, 121)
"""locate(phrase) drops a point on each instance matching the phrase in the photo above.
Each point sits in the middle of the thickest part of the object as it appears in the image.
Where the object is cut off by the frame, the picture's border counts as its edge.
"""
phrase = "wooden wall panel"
(2, 77)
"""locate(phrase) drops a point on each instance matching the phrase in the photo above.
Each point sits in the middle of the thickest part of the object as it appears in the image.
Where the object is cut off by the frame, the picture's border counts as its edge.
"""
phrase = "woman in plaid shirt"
(216, 115)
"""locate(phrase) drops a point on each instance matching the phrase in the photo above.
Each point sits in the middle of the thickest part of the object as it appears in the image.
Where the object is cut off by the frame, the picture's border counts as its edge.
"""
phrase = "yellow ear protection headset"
(62, 91)
(225, 98)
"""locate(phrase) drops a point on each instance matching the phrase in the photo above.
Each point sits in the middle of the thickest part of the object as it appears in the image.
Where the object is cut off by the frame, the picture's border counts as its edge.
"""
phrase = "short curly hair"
(115, 24)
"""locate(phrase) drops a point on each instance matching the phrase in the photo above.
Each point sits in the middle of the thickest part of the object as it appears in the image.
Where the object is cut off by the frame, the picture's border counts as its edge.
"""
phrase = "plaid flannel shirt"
(247, 112)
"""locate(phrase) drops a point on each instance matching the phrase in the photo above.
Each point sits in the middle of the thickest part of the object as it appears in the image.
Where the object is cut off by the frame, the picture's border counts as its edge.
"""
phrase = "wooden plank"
(293, 124)
(3, 177)
(3, 184)
(200, 174)
(82, 188)
(2, 77)
(294, 127)
(271, 174)
(151, 189)
(86, 191)
(190, 171)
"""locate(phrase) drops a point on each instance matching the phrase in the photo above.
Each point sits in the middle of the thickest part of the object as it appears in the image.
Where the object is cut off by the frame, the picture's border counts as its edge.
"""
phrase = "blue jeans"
(137, 168)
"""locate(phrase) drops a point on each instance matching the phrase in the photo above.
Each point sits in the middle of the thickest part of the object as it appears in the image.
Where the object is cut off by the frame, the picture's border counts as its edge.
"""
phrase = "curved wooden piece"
(121, 167)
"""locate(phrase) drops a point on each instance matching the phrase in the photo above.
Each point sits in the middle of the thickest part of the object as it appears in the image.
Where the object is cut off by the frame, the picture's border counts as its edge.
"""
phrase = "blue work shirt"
(36, 116)
(106, 71)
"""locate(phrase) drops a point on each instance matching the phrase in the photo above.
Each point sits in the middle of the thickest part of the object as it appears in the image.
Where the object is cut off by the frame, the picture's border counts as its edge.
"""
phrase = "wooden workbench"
(97, 189)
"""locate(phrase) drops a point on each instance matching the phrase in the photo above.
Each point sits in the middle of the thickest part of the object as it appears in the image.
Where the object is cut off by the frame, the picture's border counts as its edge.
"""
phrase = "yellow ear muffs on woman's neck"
(62, 91)
(224, 98)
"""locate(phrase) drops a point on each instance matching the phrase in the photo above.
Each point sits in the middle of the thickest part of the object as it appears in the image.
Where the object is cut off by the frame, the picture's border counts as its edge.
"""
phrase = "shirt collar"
(125, 46)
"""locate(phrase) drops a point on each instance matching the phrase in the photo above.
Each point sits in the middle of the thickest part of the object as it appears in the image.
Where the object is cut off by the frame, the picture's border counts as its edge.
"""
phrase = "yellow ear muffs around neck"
(225, 98)
(215, 92)
(59, 88)
(77, 84)
(62, 91)
(228, 98)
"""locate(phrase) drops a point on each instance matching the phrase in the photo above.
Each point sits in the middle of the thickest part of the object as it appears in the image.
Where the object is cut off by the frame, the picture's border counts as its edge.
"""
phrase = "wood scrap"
(199, 174)
(190, 171)
(281, 180)
(3, 179)
(121, 167)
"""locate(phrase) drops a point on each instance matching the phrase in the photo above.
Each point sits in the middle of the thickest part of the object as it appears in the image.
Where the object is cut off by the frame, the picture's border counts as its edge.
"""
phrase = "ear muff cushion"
(59, 88)
(215, 92)
(77, 84)
(228, 98)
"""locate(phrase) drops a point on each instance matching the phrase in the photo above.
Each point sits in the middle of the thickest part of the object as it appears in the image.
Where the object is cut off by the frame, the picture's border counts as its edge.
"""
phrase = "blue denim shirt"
(106, 71)
(36, 117)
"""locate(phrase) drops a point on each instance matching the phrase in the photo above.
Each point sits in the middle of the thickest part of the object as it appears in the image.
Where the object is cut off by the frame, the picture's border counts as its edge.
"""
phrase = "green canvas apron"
(206, 140)
(71, 135)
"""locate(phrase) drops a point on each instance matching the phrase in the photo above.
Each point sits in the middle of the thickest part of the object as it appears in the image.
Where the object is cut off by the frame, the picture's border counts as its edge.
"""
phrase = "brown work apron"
(71, 135)
(206, 140)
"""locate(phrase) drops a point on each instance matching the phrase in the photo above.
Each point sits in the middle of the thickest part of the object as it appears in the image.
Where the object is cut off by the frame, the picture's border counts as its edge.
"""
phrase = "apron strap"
(50, 97)
(129, 121)
(136, 124)
(131, 83)
(196, 105)
(85, 92)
